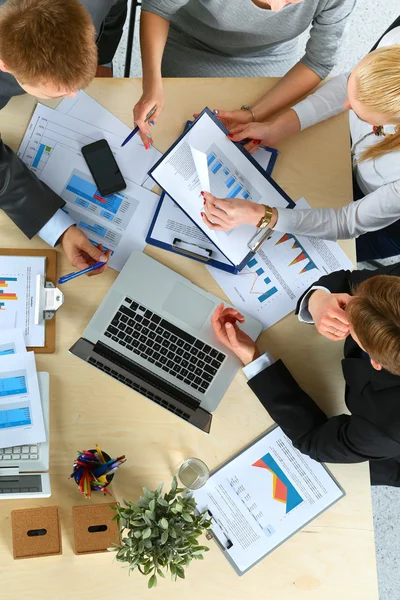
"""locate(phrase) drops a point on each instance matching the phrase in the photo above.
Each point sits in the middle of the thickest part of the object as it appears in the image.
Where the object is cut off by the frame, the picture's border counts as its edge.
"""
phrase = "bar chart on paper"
(7, 291)
(225, 179)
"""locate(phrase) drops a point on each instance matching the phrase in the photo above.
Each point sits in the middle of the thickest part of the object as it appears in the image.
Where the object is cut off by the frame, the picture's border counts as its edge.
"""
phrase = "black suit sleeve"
(343, 282)
(341, 439)
(26, 200)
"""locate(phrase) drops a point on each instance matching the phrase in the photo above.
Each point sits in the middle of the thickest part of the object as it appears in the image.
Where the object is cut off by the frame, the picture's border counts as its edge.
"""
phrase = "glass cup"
(193, 473)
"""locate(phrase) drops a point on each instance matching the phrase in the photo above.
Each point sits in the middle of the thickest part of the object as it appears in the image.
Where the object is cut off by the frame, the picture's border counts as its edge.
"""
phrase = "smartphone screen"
(103, 167)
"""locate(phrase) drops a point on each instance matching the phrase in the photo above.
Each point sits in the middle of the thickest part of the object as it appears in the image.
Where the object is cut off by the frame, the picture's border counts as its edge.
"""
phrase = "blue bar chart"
(259, 280)
(12, 385)
(15, 417)
(225, 180)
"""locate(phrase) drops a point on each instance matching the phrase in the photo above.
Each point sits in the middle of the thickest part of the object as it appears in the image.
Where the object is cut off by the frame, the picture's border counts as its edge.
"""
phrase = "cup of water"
(193, 473)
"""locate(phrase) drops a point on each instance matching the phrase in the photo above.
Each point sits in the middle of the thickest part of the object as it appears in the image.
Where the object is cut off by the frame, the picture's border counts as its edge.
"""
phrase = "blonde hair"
(378, 87)
(44, 41)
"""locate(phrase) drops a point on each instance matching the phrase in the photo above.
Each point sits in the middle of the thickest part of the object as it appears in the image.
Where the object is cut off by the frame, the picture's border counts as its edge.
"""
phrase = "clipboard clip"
(261, 236)
(48, 300)
(192, 250)
(218, 534)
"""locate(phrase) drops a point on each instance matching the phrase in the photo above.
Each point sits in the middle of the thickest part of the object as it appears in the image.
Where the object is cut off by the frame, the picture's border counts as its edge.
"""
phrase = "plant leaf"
(146, 533)
(164, 537)
(148, 493)
(152, 581)
(163, 523)
(187, 517)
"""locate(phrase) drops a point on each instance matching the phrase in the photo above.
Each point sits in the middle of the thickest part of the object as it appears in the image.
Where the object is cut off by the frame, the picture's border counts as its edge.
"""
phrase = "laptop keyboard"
(19, 453)
(173, 350)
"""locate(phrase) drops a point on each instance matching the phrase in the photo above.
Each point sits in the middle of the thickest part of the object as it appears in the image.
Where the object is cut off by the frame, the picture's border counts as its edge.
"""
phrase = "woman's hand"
(260, 134)
(224, 323)
(328, 313)
(149, 99)
(226, 214)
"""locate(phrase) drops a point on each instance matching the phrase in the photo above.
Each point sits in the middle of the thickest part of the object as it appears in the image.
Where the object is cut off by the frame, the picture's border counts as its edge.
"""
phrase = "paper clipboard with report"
(28, 296)
(263, 496)
(205, 159)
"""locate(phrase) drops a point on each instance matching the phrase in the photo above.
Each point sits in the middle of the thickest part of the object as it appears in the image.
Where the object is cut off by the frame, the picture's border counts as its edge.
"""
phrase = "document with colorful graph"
(263, 496)
(277, 275)
(18, 276)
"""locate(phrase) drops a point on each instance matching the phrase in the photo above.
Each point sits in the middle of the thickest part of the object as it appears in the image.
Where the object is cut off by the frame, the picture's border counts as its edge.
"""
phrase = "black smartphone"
(103, 167)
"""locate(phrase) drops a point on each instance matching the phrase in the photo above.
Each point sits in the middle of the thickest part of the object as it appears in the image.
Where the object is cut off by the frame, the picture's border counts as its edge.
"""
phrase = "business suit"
(372, 430)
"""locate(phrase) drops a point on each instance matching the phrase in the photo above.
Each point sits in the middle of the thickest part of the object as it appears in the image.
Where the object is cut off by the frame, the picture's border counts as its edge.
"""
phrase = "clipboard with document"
(203, 158)
(263, 496)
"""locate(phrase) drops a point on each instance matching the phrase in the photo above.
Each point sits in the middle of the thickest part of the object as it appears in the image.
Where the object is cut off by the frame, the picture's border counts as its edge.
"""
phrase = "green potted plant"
(160, 533)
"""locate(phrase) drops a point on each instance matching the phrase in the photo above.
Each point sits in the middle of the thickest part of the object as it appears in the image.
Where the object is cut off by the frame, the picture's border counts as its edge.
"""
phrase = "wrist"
(152, 83)
(251, 357)
(257, 213)
(274, 218)
(314, 299)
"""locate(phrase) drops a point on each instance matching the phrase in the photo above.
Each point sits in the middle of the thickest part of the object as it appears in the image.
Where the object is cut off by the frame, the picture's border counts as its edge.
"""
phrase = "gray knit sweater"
(240, 28)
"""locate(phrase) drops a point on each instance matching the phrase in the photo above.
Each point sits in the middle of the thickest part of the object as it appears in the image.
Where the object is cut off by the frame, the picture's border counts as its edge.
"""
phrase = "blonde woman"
(371, 93)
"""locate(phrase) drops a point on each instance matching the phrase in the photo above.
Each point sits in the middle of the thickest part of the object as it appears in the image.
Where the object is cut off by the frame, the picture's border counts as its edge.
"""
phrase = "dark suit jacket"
(370, 432)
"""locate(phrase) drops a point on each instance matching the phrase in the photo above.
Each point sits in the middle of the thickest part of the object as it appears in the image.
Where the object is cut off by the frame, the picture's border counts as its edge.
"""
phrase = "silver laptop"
(153, 333)
(23, 468)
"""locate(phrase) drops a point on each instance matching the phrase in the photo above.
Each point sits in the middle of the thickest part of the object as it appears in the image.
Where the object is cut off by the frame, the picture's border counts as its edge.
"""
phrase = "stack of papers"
(52, 149)
(21, 416)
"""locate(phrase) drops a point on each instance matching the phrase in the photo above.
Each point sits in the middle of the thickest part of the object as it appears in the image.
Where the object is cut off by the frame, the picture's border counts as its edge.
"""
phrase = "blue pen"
(134, 132)
(70, 276)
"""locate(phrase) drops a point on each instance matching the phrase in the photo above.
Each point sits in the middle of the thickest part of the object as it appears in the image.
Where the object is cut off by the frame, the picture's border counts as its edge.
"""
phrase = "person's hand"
(80, 251)
(154, 97)
(224, 323)
(224, 214)
(260, 134)
(328, 313)
(231, 118)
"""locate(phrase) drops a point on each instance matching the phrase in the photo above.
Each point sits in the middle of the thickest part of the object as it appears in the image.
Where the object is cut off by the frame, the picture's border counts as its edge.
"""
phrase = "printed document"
(119, 221)
(18, 276)
(277, 275)
(21, 417)
(85, 108)
(205, 159)
(11, 342)
(263, 496)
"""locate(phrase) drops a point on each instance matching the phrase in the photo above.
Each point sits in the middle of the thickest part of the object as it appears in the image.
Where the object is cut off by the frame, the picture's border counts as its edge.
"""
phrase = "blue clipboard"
(266, 174)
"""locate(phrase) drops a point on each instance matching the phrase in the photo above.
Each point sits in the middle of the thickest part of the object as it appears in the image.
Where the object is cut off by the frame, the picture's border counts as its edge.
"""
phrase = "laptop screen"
(20, 484)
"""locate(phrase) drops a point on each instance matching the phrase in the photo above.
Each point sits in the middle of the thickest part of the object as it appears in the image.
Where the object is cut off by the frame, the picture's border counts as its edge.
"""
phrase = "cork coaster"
(36, 532)
(94, 529)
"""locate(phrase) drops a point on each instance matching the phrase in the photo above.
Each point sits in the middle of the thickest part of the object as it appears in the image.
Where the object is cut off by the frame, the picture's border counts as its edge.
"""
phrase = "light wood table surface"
(333, 557)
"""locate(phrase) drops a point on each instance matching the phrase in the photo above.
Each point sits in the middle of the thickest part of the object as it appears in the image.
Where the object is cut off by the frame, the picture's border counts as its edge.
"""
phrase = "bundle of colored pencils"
(92, 471)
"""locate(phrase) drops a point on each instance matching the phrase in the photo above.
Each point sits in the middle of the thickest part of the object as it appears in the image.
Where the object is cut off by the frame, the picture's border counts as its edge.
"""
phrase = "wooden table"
(331, 558)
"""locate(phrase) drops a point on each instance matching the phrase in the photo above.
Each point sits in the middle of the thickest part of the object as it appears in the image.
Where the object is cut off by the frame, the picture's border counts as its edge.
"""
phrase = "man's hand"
(81, 253)
(328, 313)
(224, 323)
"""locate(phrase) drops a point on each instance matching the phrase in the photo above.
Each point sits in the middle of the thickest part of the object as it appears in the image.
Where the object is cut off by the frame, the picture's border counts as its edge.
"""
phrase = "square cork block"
(36, 532)
(94, 529)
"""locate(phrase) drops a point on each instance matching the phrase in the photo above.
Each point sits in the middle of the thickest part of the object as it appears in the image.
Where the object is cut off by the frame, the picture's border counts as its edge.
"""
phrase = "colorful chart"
(225, 179)
(302, 254)
(4, 293)
(88, 192)
(283, 489)
(259, 281)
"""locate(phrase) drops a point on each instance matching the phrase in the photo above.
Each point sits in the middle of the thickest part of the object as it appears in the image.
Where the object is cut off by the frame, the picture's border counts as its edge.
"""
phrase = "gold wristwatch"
(266, 219)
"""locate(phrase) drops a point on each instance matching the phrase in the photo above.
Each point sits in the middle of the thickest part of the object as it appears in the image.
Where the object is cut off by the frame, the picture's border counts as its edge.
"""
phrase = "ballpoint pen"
(66, 278)
(134, 131)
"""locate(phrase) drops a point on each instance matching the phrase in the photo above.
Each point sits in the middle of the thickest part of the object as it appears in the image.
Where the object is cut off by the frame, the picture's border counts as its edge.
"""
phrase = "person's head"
(48, 45)
(374, 318)
(276, 5)
(373, 94)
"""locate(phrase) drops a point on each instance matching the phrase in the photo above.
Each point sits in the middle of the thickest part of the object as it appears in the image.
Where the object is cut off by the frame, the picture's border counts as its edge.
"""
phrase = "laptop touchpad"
(188, 305)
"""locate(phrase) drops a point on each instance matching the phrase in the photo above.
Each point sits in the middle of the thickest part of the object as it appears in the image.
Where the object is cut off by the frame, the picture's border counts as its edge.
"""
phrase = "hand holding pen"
(146, 113)
(82, 254)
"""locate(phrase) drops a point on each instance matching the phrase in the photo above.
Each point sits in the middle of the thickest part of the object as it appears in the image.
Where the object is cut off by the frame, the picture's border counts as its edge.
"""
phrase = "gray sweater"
(240, 28)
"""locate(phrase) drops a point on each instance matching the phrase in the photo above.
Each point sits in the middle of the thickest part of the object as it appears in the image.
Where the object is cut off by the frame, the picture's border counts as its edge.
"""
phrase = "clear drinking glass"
(193, 473)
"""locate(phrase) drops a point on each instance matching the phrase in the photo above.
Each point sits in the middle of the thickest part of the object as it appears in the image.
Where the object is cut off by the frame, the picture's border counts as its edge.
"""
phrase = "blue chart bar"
(260, 271)
(216, 167)
(15, 417)
(38, 155)
(245, 194)
(235, 191)
(7, 351)
(252, 263)
(226, 171)
(268, 293)
(8, 278)
(9, 386)
(210, 158)
(230, 181)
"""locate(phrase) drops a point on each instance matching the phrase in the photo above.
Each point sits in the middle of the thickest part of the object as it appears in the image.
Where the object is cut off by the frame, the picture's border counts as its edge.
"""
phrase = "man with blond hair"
(48, 49)
(362, 307)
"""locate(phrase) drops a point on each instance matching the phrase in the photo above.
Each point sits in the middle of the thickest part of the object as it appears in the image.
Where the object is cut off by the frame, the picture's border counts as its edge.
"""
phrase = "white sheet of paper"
(274, 279)
(231, 174)
(263, 157)
(88, 110)
(8, 319)
(49, 129)
(18, 295)
(21, 417)
(120, 221)
(265, 495)
(11, 342)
